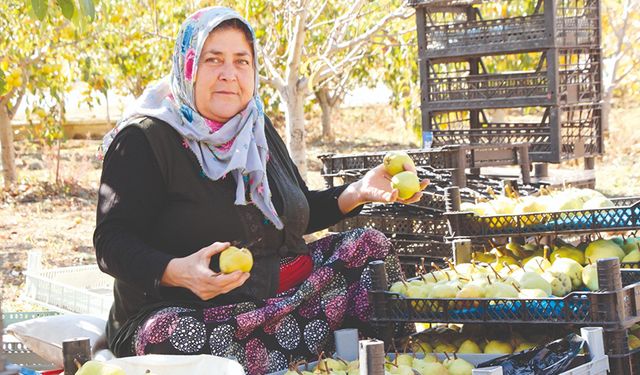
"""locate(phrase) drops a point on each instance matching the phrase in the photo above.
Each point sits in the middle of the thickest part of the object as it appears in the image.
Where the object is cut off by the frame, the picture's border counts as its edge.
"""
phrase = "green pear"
(498, 347)
(500, 290)
(570, 268)
(401, 370)
(421, 347)
(394, 162)
(445, 347)
(459, 366)
(469, 347)
(100, 368)
(444, 290)
(399, 287)
(600, 249)
(629, 244)
(433, 368)
(537, 264)
(598, 202)
(633, 341)
(532, 294)
(404, 359)
(561, 284)
(632, 257)
(590, 276)
(330, 364)
(568, 252)
(407, 184)
(533, 280)
(420, 364)
(471, 291)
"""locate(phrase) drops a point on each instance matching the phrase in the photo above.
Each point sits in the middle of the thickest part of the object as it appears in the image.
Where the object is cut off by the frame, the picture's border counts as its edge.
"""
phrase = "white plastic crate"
(78, 289)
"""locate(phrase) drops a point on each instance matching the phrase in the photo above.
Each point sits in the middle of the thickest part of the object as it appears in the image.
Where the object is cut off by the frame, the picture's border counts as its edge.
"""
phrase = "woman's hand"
(375, 186)
(193, 272)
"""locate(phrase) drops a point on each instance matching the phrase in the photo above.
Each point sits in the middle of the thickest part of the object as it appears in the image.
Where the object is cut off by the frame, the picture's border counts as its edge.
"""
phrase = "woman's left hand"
(375, 186)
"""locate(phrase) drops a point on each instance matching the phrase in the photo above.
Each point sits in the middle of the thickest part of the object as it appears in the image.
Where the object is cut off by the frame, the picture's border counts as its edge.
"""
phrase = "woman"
(195, 165)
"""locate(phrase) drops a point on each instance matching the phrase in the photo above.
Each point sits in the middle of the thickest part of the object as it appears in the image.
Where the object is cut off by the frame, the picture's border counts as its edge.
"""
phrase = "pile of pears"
(327, 366)
(409, 364)
(544, 201)
(516, 272)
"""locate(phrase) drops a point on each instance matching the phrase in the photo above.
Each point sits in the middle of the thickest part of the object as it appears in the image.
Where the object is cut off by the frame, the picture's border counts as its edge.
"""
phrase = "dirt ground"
(58, 219)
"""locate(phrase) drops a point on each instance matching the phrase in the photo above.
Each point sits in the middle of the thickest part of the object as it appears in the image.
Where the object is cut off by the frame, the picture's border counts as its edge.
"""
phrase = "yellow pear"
(590, 276)
(498, 347)
(234, 259)
(459, 366)
(469, 347)
(568, 252)
(600, 249)
(407, 184)
(394, 162)
(524, 346)
(632, 257)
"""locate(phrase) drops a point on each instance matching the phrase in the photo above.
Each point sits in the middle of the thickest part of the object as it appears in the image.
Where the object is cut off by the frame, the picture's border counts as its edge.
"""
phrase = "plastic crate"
(396, 219)
(18, 354)
(559, 133)
(461, 31)
(454, 86)
(78, 289)
(620, 218)
(622, 360)
(616, 305)
(452, 158)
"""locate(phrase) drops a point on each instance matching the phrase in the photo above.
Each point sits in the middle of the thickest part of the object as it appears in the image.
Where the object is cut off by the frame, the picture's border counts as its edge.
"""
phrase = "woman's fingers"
(214, 248)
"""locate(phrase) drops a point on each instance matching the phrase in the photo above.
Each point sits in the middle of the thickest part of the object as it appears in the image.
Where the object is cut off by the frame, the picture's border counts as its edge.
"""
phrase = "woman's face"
(225, 78)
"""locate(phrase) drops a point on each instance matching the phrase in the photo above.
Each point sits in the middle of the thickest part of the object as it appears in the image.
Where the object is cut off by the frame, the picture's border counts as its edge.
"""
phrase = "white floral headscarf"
(239, 147)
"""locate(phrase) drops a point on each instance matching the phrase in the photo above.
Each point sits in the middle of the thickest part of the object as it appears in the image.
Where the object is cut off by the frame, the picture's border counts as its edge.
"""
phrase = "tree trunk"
(295, 132)
(325, 104)
(8, 153)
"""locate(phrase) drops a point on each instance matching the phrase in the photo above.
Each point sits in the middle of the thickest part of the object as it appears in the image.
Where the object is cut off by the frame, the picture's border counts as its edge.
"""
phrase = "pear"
(330, 364)
(469, 347)
(420, 364)
(471, 291)
(444, 290)
(394, 162)
(404, 359)
(233, 259)
(537, 264)
(407, 184)
(500, 290)
(459, 366)
(633, 341)
(570, 268)
(399, 287)
(600, 249)
(568, 252)
(590, 276)
(401, 370)
(532, 294)
(632, 257)
(498, 347)
(598, 202)
(629, 244)
(99, 368)
(484, 257)
(533, 280)
(561, 284)
(524, 346)
(421, 347)
(419, 291)
(503, 205)
(433, 368)
(445, 347)
(531, 204)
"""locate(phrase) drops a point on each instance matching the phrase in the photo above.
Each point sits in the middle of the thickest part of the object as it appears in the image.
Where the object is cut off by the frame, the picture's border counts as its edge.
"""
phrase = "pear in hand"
(394, 162)
(407, 184)
(233, 259)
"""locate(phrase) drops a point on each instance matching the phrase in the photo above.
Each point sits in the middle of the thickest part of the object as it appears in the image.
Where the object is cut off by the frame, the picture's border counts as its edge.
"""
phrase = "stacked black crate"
(561, 95)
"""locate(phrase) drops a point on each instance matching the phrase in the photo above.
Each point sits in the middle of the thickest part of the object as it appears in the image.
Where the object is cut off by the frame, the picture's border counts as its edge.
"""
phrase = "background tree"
(38, 59)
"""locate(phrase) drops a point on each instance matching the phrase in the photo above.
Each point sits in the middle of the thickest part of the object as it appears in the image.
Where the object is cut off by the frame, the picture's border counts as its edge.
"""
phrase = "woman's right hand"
(193, 272)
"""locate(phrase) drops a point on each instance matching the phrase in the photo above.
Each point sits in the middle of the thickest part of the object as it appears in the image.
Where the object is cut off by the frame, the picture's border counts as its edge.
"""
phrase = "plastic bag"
(553, 358)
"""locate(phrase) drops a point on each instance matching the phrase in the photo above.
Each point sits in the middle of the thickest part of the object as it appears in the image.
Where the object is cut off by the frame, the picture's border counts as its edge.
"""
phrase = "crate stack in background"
(467, 83)
(417, 231)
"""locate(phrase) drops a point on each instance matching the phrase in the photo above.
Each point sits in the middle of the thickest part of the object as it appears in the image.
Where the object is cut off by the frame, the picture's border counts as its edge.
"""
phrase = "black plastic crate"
(396, 219)
(555, 134)
(620, 218)
(452, 158)
(450, 32)
(621, 359)
(576, 78)
(616, 306)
